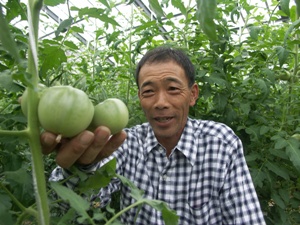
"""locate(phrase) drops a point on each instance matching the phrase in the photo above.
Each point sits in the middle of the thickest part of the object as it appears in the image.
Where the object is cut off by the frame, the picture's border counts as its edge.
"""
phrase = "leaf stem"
(139, 202)
(15, 200)
(25, 210)
(18, 133)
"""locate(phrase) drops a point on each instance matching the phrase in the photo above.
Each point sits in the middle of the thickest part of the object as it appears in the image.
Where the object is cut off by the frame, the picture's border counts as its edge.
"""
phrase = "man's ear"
(194, 94)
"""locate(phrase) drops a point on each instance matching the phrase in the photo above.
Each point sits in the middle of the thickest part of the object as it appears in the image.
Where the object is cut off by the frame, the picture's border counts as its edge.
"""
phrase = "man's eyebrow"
(173, 79)
(168, 79)
(146, 83)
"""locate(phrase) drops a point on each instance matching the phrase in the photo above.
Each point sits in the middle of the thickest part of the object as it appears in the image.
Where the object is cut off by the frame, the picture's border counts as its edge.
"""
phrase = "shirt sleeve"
(238, 197)
(60, 174)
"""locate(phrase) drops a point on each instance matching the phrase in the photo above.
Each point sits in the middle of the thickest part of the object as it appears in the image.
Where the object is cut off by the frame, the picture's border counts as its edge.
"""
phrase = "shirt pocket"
(204, 207)
(200, 213)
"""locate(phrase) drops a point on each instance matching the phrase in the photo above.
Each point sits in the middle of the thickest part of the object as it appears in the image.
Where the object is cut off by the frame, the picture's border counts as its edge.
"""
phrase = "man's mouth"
(163, 119)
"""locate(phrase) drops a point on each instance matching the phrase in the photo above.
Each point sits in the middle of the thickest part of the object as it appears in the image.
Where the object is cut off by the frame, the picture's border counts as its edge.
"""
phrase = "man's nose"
(161, 100)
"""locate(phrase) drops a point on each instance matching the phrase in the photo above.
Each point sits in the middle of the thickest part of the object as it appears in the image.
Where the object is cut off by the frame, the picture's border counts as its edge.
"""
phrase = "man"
(197, 167)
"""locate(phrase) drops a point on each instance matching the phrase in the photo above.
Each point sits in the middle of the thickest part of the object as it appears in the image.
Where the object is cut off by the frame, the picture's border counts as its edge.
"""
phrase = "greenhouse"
(64, 62)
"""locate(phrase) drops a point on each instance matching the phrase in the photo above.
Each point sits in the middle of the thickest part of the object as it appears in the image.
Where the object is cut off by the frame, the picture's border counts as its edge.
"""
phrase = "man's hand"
(85, 148)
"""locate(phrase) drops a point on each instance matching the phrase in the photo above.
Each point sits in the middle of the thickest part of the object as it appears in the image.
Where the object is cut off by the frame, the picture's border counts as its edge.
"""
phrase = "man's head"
(166, 91)
(165, 54)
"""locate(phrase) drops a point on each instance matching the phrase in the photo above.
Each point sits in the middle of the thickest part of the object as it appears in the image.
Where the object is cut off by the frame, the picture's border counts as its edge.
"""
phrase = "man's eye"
(174, 89)
(148, 92)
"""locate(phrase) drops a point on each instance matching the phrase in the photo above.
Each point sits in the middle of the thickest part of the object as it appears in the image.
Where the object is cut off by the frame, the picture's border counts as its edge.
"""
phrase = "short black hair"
(166, 54)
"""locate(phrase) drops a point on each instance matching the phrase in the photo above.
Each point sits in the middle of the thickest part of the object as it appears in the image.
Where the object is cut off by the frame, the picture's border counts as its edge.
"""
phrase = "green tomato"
(65, 110)
(297, 136)
(24, 97)
(111, 113)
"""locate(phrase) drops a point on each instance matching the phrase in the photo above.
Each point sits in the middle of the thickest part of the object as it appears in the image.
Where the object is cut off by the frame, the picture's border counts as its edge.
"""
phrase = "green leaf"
(170, 217)
(252, 157)
(278, 200)
(254, 32)
(6, 82)
(77, 202)
(64, 26)
(76, 29)
(258, 177)
(108, 19)
(277, 170)
(298, 6)
(54, 2)
(145, 26)
(282, 54)
(71, 45)
(5, 206)
(136, 193)
(96, 13)
(100, 178)
(285, 195)
(220, 101)
(280, 143)
(285, 6)
(91, 12)
(21, 180)
(253, 131)
(261, 84)
(67, 217)
(54, 56)
(206, 14)
(245, 107)
(179, 5)
(15, 9)
(19, 176)
(264, 130)
(6, 38)
(235, 13)
(293, 151)
(112, 37)
(294, 25)
(279, 153)
(104, 2)
(156, 8)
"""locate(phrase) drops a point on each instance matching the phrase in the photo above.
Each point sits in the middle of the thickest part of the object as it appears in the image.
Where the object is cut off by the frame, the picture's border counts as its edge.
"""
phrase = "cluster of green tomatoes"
(67, 111)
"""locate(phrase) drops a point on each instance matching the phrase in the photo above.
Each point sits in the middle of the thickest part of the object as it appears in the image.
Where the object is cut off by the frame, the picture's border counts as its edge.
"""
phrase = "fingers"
(48, 142)
(85, 148)
(72, 150)
(100, 139)
(113, 143)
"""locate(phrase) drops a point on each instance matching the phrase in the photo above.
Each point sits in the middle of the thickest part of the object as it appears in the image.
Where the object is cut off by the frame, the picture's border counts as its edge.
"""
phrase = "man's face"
(165, 97)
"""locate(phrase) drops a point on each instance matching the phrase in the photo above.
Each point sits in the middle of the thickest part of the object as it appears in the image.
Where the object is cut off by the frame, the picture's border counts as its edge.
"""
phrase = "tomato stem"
(58, 138)
(39, 181)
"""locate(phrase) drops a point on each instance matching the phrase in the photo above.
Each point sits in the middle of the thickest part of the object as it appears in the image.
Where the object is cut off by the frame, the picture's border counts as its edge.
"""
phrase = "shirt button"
(165, 177)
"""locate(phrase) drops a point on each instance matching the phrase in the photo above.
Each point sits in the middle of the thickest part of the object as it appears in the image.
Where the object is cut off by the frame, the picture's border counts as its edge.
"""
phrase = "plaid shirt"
(205, 179)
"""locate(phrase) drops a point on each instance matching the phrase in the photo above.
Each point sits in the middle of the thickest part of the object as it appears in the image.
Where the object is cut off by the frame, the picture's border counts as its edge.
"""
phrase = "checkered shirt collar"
(186, 144)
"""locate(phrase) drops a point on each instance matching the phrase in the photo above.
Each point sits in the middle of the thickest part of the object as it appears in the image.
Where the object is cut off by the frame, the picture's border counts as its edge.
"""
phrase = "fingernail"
(86, 138)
